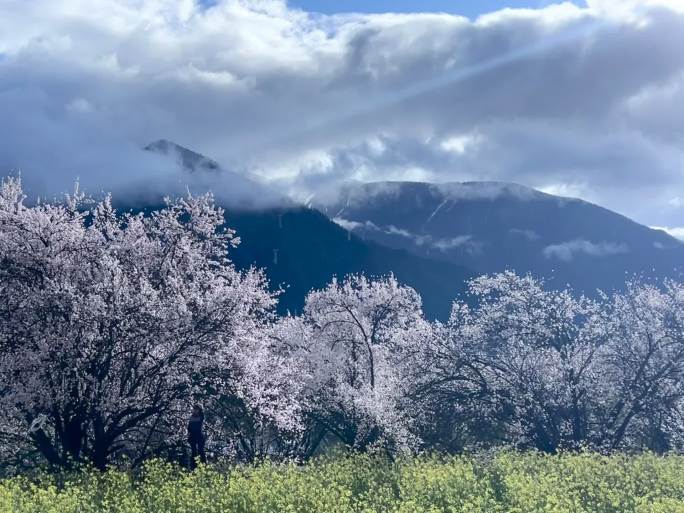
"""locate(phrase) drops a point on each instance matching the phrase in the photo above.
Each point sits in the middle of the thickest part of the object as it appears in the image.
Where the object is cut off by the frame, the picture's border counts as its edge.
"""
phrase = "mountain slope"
(301, 249)
(311, 250)
(189, 170)
(491, 226)
(191, 161)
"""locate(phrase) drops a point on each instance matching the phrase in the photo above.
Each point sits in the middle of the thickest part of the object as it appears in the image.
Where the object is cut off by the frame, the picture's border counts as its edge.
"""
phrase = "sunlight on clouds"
(536, 96)
(376, 146)
(632, 8)
(312, 162)
(460, 143)
(222, 79)
(554, 15)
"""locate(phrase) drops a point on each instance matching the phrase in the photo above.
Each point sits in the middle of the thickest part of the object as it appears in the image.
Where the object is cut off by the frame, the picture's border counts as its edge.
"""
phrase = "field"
(508, 482)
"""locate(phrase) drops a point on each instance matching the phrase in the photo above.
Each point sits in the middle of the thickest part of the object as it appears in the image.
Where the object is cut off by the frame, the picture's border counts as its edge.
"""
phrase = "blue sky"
(469, 8)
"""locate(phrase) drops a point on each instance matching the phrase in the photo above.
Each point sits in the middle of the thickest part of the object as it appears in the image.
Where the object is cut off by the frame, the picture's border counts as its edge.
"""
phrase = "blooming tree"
(110, 323)
(263, 416)
(643, 387)
(535, 354)
(552, 370)
(458, 402)
(356, 341)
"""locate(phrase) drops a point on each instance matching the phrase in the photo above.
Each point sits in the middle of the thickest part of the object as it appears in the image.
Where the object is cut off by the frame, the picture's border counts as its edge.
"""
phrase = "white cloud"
(354, 225)
(676, 232)
(565, 190)
(549, 98)
(484, 190)
(460, 143)
(526, 233)
(565, 251)
(462, 241)
(632, 9)
(80, 105)
(393, 230)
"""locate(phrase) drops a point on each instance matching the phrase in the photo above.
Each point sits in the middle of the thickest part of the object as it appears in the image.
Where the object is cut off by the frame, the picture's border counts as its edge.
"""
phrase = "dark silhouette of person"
(196, 436)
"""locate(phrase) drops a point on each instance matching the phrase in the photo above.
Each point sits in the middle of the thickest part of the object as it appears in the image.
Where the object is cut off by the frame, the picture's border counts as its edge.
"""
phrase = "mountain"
(432, 236)
(493, 226)
(191, 161)
(198, 173)
(301, 249)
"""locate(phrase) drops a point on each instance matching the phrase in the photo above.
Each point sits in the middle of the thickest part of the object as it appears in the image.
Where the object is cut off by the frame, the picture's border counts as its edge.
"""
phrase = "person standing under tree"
(196, 436)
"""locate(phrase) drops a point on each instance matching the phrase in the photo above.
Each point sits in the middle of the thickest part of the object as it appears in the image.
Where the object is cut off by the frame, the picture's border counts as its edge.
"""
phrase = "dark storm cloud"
(583, 101)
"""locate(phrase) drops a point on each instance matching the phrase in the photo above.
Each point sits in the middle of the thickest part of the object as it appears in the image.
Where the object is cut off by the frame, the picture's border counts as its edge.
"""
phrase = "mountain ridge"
(300, 249)
(494, 226)
(460, 229)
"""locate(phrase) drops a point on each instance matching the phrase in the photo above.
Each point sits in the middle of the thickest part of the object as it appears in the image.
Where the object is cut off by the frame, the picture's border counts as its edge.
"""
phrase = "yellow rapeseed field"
(506, 483)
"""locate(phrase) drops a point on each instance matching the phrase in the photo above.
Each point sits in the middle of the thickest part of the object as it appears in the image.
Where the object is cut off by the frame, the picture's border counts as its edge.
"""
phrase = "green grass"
(509, 482)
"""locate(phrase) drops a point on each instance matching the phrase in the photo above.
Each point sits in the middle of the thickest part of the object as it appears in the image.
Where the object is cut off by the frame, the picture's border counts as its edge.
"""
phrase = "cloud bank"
(587, 101)
(566, 251)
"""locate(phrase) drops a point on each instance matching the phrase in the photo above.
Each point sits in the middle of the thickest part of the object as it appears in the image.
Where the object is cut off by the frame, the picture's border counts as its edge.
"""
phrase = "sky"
(469, 8)
(579, 99)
